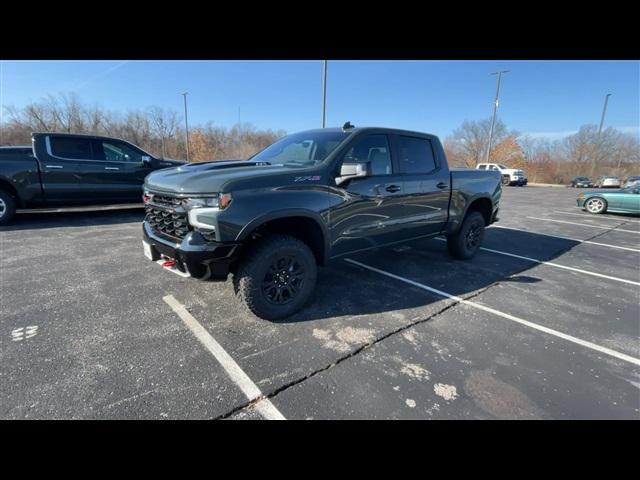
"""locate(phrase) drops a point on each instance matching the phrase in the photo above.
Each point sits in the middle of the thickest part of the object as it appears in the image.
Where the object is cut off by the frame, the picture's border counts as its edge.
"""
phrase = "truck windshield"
(301, 149)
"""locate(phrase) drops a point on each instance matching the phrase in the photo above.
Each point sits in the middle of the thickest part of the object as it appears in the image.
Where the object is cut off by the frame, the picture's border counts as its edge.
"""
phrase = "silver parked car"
(608, 182)
(632, 181)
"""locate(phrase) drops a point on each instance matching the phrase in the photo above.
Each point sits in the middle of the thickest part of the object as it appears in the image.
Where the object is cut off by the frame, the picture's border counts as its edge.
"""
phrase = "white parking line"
(599, 217)
(267, 409)
(550, 331)
(585, 225)
(551, 264)
(590, 242)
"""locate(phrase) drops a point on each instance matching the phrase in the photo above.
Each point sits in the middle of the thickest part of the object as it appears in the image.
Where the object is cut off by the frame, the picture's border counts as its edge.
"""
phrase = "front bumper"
(194, 255)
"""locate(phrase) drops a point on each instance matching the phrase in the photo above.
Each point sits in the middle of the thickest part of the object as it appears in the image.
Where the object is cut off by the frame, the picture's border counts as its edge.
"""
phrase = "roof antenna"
(347, 126)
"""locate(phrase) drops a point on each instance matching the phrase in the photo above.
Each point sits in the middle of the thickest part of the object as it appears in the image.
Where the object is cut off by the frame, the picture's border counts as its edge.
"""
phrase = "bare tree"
(470, 141)
(164, 124)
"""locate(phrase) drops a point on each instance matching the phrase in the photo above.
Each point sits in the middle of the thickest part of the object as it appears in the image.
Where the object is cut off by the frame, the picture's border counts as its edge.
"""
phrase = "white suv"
(510, 176)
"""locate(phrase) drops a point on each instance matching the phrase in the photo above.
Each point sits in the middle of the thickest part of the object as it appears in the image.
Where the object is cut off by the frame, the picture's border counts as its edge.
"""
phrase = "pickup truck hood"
(207, 177)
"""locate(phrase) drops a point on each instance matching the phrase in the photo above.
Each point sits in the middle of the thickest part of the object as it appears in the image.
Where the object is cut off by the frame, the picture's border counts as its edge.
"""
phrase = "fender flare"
(286, 213)
(454, 226)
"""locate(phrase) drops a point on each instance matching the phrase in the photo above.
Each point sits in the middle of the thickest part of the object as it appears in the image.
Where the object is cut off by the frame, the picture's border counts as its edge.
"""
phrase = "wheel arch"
(8, 187)
(483, 205)
(305, 225)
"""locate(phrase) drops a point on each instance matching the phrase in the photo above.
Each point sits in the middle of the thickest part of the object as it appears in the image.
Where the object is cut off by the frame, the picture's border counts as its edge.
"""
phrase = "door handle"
(392, 188)
(442, 185)
(111, 168)
(54, 166)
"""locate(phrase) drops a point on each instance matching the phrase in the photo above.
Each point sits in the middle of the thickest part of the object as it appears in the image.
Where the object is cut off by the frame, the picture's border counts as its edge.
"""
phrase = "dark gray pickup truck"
(308, 198)
(66, 170)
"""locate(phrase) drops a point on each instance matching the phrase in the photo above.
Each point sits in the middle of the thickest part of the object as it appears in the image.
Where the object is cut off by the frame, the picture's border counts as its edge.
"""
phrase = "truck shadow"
(345, 290)
(36, 221)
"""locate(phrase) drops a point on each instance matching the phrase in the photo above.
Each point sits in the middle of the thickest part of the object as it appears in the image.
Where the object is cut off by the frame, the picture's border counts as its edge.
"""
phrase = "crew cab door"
(366, 210)
(120, 168)
(62, 166)
(632, 200)
(426, 182)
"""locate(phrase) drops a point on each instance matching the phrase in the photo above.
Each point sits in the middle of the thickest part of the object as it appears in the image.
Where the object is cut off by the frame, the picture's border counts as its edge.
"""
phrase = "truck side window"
(118, 152)
(482, 167)
(416, 155)
(372, 149)
(75, 148)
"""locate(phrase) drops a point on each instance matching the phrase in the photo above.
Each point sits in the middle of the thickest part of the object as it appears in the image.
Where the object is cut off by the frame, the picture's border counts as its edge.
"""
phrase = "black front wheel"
(7, 207)
(277, 277)
(466, 242)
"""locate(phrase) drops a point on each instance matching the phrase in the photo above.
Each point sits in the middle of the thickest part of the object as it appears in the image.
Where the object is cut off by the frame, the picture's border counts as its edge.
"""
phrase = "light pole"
(604, 111)
(598, 145)
(495, 109)
(324, 94)
(186, 123)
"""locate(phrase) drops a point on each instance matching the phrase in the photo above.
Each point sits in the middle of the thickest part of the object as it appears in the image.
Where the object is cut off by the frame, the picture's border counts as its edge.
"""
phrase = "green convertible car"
(624, 200)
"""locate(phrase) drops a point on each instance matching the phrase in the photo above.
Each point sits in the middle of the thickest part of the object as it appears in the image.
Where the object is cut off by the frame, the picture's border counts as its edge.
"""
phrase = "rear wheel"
(596, 205)
(506, 180)
(276, 277)
(7, 207)
(466, 242)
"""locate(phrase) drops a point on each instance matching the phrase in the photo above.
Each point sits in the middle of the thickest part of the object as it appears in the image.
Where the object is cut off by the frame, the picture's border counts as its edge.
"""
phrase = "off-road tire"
(460, 244)
(251, 276)
(7, 207)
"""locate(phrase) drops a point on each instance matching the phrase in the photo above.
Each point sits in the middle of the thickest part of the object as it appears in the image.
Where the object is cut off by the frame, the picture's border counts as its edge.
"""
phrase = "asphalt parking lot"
(544, 323)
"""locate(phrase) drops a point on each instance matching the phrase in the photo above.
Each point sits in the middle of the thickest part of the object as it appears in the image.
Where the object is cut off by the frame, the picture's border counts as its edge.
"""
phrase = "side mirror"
(352, 170)
(146, 160)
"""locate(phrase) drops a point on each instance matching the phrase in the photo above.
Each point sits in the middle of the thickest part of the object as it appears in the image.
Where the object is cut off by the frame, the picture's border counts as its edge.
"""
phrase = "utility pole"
(324, 94)
(186, 123)
(495, 109)
(598, 145)
(604, 111)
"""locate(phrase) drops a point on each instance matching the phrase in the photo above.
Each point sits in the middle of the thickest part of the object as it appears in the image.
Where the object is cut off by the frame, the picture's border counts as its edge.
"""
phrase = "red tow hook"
(168, 263)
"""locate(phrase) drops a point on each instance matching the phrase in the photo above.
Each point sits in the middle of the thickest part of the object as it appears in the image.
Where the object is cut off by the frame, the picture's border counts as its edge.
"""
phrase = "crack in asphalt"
(345, 357)
(401, 329)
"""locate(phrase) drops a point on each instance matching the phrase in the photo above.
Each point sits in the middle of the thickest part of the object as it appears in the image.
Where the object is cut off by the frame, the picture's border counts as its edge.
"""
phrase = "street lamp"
(604, 111)
(324, 94)
(495, 109)
(186, 124)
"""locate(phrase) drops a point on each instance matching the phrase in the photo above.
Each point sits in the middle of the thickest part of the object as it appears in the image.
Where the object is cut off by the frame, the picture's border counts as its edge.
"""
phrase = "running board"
(90, 208)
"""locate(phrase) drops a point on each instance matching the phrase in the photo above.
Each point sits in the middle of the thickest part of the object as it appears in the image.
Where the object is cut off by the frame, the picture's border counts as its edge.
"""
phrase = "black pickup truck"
(308, 198)
(66, 170)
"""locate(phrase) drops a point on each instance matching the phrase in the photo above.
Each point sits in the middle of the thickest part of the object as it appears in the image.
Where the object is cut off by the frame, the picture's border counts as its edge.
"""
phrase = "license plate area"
(147, 250)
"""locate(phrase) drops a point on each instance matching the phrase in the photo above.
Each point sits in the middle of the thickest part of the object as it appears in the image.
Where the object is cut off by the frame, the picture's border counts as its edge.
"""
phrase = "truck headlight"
(202, 211)
(219, 201)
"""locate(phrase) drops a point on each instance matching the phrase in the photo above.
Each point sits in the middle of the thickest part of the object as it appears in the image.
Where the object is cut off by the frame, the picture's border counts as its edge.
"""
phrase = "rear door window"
(74, 148)
(415, 155)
